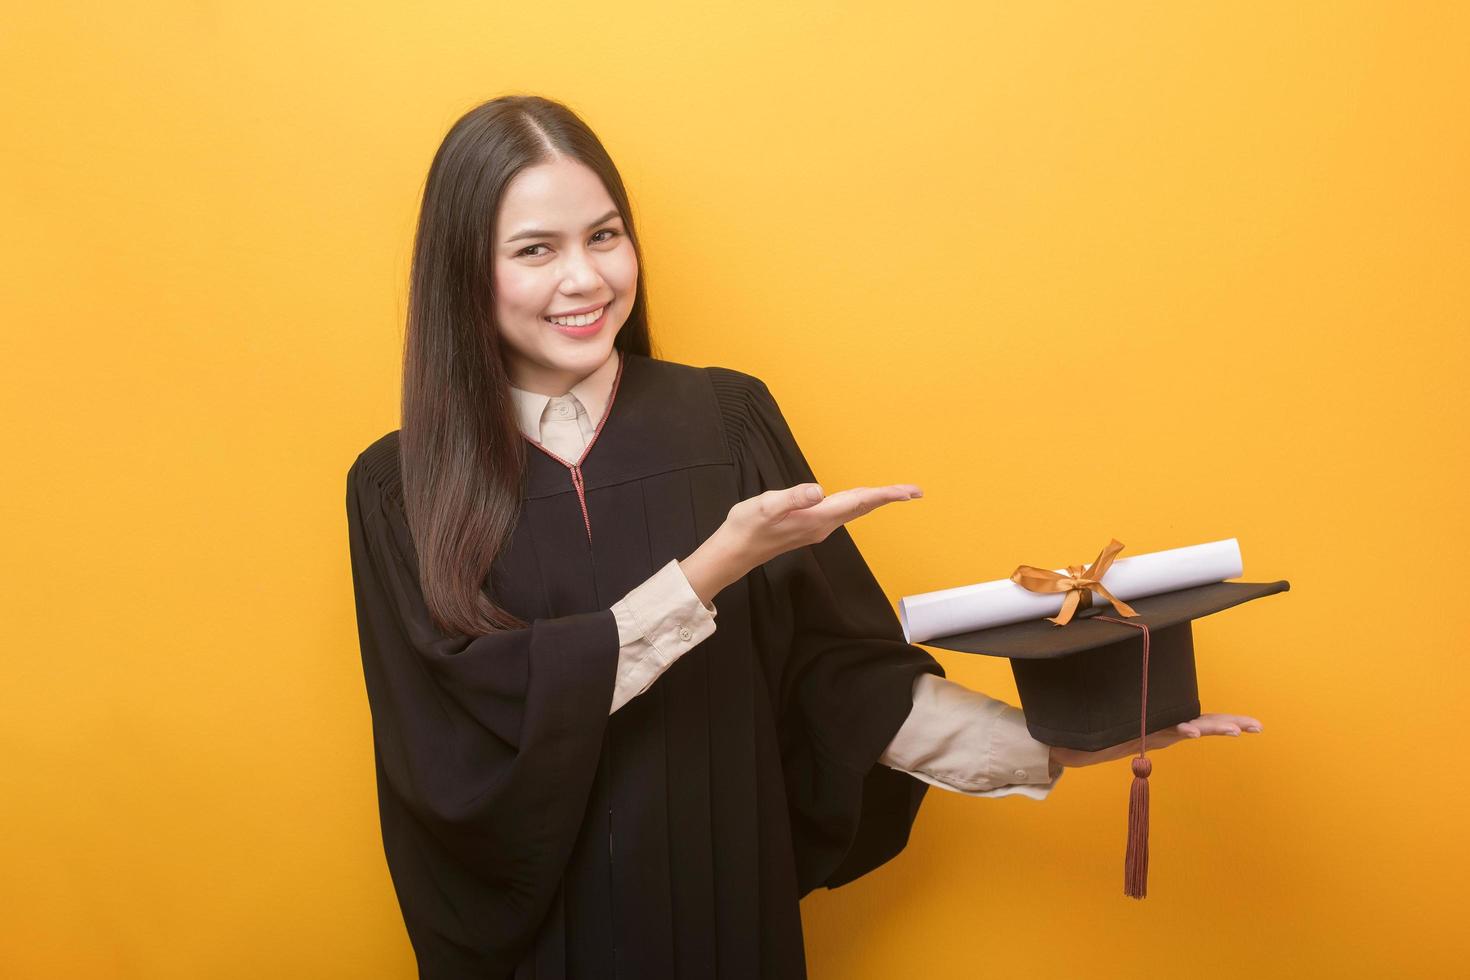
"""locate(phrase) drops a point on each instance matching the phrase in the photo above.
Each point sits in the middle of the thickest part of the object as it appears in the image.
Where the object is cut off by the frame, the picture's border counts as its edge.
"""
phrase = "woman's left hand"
(1211, 724)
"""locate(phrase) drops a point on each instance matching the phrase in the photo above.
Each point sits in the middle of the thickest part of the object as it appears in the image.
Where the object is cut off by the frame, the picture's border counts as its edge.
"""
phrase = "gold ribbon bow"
(1079, 584)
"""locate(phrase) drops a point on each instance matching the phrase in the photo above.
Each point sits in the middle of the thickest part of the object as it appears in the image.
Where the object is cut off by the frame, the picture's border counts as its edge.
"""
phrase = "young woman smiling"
(579, 774)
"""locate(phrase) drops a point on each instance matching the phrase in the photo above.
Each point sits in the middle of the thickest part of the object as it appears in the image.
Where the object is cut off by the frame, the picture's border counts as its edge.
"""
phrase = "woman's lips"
(586, 331)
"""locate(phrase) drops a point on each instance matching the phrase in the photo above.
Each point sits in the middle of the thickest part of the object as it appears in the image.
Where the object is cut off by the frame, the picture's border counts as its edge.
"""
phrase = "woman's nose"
(579, 275)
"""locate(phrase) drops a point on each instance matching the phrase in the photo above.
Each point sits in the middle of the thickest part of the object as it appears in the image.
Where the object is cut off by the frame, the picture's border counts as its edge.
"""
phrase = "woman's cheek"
(525, 295)
(626, 276)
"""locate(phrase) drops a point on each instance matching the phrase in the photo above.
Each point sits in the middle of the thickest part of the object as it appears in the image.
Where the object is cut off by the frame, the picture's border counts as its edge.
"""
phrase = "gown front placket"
(576, 468)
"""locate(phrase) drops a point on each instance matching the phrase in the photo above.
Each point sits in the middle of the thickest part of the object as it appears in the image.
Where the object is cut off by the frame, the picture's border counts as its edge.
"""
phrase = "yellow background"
(1165, 272)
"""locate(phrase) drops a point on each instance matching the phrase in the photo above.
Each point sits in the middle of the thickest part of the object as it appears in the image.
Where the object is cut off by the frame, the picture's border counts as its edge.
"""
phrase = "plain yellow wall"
(1165, 272)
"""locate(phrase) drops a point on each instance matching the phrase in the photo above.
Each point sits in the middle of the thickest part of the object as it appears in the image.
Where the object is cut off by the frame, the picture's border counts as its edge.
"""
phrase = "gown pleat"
(669, 521)
(587, 896)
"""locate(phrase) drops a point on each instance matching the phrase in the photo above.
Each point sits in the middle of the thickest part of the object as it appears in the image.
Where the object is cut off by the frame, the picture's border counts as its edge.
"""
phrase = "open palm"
(1207, 724)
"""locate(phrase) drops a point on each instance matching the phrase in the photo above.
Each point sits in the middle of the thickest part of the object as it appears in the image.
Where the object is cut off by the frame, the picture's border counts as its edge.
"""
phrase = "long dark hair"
(463, 455)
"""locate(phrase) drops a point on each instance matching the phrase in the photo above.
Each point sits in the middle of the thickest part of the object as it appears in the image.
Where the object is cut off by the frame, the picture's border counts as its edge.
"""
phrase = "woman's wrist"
(716, 563)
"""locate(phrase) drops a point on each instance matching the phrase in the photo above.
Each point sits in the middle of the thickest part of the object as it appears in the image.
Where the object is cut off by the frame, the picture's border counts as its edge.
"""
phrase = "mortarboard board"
(1081, 684)
(1088, 680)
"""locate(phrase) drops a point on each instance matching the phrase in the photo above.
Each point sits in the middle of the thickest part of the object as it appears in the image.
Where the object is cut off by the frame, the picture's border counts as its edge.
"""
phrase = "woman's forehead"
(563, 195)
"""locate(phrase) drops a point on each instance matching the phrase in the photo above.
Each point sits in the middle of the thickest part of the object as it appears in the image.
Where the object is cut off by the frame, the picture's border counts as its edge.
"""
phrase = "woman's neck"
(553, 385)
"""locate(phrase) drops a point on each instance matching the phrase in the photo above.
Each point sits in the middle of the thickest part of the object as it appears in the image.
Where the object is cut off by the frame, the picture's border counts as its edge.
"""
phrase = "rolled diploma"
(998, 603)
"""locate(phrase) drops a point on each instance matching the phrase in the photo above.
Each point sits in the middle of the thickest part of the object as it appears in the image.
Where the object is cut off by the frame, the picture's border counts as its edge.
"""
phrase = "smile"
(581, 320)
(582, 325)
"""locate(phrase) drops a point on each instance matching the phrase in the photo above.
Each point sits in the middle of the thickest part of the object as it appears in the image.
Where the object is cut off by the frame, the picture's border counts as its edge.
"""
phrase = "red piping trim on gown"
(576, 468)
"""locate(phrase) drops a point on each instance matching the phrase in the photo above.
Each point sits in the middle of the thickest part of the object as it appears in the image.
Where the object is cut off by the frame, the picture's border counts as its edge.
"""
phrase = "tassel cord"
(1135, 861)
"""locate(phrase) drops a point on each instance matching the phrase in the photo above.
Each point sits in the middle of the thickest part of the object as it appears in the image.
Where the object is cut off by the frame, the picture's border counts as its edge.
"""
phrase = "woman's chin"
(582, 357)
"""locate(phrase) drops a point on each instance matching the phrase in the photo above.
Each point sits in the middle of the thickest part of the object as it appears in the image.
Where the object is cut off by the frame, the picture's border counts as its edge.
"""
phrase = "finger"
(838, 508)
(1216, 725)
(1231, 724)
(857, 501)
(799, 497)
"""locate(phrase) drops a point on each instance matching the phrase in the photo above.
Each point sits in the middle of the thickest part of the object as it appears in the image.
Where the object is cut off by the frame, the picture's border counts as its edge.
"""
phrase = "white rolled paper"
(1001, 602)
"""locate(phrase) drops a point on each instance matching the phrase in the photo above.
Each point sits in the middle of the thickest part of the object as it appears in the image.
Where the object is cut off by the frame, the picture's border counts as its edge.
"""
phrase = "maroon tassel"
(1135, 863)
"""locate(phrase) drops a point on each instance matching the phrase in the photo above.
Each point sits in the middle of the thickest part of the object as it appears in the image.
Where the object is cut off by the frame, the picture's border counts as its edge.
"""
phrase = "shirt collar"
(592, 391)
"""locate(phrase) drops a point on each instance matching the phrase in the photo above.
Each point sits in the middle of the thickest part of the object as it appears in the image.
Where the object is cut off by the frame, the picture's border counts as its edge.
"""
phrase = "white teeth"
(576, 321)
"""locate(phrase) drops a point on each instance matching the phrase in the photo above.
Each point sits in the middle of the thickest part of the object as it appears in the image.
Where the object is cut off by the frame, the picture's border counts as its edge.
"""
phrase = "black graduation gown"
(529, 833)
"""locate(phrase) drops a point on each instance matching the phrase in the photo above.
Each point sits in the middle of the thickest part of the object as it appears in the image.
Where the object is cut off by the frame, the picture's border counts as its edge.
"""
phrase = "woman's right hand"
(772, 523)
(777, 521)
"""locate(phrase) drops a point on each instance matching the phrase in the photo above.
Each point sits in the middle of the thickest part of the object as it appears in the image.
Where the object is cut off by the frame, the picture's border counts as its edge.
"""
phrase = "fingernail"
(1194, 734)
(918, 493)
(1233, 732)
(1253, 728)
(814, 493)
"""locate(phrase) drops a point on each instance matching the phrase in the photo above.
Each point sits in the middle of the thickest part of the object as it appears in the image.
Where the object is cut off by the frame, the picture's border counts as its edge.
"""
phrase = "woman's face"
(560, 247)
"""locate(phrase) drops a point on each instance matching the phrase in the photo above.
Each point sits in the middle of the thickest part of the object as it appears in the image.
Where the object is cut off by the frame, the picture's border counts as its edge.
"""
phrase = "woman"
(579, 774)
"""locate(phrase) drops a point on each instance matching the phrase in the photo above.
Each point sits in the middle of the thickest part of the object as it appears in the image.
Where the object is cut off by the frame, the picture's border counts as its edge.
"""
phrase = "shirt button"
(1020, 774)
(685, 634)
(563, 411)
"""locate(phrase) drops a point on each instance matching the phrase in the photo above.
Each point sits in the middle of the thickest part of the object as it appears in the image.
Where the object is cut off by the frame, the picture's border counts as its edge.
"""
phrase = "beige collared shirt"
(954, 738)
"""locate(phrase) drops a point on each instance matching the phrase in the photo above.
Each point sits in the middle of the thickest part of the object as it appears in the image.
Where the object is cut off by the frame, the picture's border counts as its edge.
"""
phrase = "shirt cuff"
(965, 742)
(657, 622)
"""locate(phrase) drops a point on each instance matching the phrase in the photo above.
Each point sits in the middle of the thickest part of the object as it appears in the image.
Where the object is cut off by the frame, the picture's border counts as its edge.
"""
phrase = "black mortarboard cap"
(1081, 685)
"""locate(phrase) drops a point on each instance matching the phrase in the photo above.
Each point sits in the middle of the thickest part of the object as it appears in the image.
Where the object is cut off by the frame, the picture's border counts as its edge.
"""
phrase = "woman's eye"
(527, 251)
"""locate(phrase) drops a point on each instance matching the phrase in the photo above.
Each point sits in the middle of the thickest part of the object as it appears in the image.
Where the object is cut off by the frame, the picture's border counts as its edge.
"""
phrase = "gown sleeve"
(465, 731)
(834, 655)
(970, 743)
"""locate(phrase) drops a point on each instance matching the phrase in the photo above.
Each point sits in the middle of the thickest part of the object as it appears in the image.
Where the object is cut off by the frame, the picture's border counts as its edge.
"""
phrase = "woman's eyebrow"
(538, 233)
